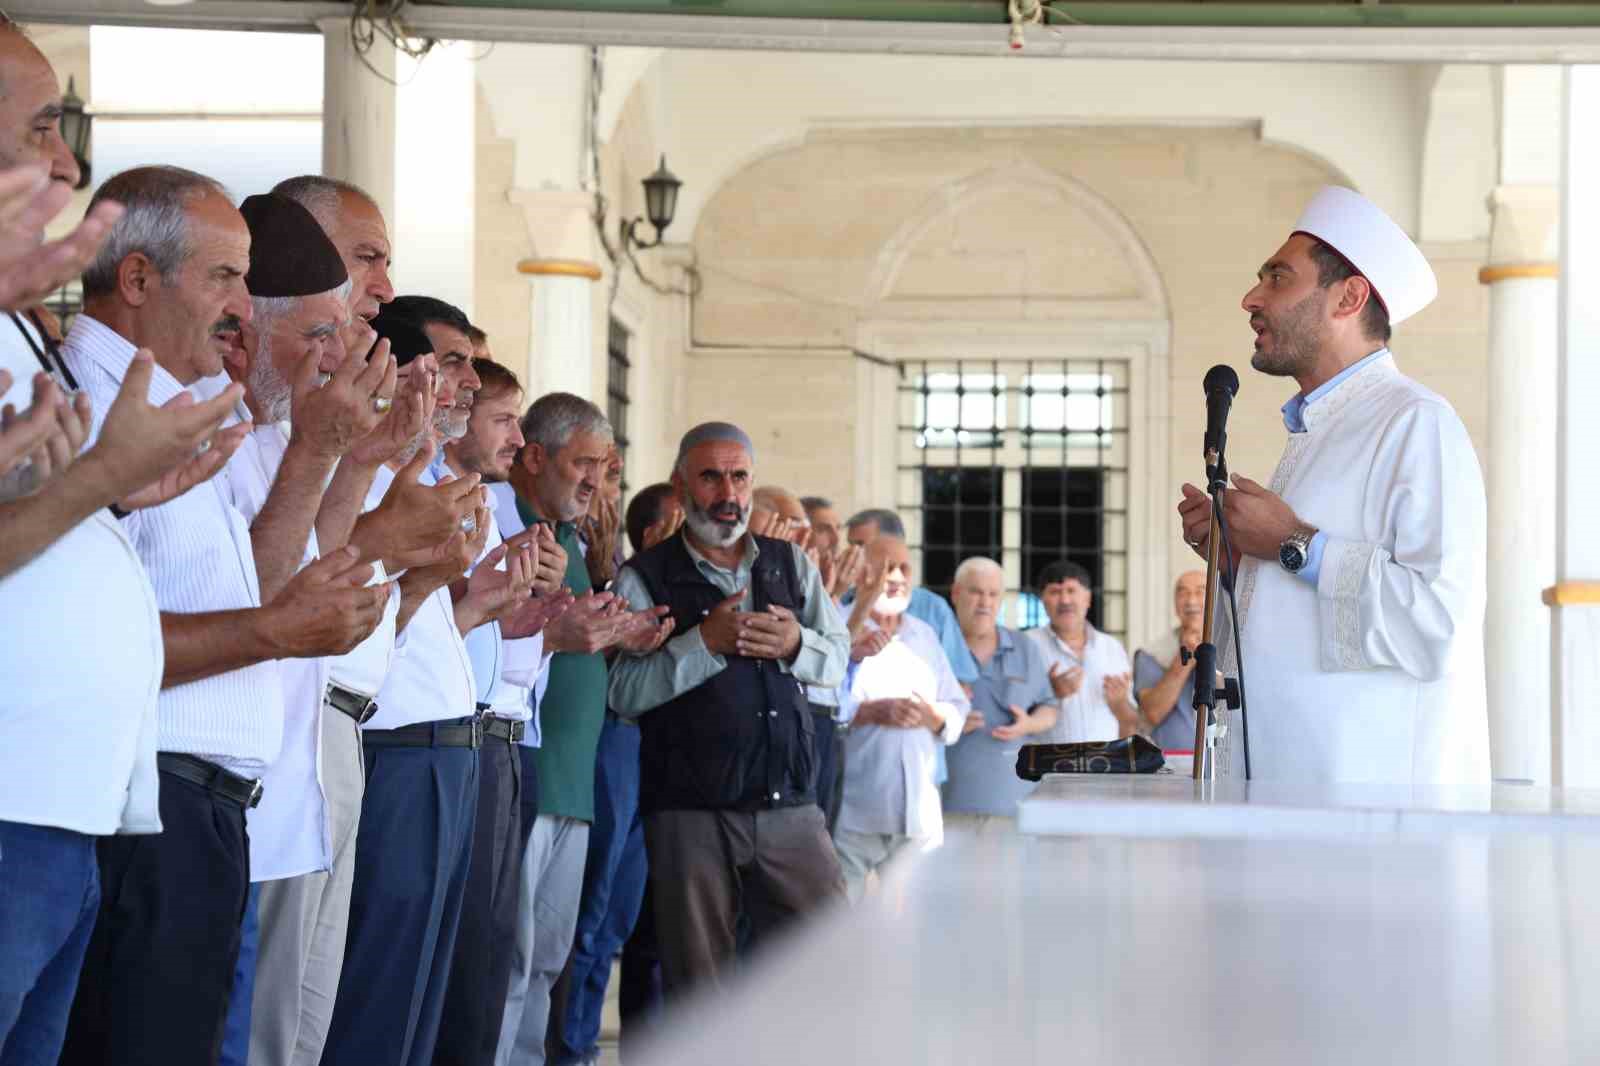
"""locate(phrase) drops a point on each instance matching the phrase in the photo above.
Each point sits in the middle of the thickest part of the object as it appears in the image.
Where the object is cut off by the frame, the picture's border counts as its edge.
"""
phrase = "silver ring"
(469, 524)
(381, 404)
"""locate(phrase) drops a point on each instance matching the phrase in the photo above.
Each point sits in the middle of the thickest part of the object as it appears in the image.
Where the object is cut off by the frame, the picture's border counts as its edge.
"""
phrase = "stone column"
(563, 274)
(1521, 475)
(1575, 597)
(358, 113)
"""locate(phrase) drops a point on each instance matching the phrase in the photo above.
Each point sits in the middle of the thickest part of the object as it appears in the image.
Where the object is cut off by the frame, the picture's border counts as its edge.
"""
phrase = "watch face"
(1292, 556)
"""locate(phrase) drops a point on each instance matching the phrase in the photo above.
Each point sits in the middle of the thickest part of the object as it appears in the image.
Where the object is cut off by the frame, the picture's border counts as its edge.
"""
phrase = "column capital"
(569, 268)
(560, 223)
(1524, 229)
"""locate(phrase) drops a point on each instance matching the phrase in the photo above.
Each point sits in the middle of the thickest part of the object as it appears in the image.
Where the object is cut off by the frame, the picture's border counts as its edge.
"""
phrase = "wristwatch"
(1295, 549)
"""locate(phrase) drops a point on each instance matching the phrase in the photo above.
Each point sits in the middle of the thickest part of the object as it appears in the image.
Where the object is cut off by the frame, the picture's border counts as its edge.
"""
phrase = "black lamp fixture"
(75, 122)
(660, 204)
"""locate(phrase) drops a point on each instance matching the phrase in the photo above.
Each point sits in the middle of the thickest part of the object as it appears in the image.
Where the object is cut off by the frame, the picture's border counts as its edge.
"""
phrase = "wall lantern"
(660, 204)
(75, 123)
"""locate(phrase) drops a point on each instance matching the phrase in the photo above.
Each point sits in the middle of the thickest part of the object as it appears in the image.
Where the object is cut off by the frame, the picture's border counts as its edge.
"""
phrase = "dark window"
(617, 401)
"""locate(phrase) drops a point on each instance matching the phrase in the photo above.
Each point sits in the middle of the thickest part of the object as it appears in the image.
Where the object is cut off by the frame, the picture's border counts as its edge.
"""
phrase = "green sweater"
(574, 705)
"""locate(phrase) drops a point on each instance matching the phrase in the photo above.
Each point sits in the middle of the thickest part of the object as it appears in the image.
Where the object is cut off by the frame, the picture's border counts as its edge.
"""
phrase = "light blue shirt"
(1294, 419)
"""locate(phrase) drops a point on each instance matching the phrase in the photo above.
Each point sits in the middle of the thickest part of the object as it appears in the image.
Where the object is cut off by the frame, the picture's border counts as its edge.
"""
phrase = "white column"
(1575, 598)
(561, 345)
(358, 113)
(435, 208)
(1521, 475)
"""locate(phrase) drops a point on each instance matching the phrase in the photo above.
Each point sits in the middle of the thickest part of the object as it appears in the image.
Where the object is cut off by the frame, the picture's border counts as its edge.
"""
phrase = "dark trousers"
(613, 889)
(49, 897)
(481, 968)
(412, 853)
(639, 983)
(159, 969)
(528, 799)
(709, 867)
(829, 757)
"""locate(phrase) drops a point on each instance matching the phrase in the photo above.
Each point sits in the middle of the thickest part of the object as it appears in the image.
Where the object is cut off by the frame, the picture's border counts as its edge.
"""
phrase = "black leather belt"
(504, 728)
(245, 791)
(350, 702)
(451, 733)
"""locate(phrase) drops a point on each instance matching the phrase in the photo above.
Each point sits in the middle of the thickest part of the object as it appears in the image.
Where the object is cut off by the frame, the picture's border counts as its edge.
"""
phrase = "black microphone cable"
(1238, 646)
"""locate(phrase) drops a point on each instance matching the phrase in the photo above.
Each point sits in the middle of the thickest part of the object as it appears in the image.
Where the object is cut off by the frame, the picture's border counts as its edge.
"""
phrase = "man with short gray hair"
(727, 772)
(556, 474)
(354, 223)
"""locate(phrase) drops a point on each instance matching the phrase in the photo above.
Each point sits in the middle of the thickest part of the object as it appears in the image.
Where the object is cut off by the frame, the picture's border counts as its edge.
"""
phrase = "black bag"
(1130, 755)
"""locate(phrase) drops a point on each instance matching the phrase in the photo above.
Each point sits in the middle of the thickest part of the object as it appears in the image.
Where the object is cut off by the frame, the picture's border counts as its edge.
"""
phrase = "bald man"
(903, 705)
(1163, 683)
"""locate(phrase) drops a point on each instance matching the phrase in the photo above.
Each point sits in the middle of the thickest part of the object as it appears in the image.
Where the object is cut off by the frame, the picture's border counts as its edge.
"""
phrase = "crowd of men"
(352, 716)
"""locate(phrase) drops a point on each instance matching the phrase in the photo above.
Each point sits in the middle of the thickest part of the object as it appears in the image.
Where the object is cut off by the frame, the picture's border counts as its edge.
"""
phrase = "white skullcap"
(1370, 241)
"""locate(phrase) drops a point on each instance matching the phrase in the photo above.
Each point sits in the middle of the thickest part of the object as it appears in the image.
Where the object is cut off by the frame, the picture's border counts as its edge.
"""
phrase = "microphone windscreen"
(1221, 376)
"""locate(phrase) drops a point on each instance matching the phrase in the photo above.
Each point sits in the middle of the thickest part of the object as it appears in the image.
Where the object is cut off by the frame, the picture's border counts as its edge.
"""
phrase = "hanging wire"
(372, 20)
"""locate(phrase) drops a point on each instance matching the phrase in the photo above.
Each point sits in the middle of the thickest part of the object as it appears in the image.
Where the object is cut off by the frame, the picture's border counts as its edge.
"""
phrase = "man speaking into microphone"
(1362, 565)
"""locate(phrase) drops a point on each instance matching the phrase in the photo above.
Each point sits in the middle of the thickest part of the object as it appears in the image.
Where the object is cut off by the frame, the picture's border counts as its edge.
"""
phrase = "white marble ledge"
(1173, 807)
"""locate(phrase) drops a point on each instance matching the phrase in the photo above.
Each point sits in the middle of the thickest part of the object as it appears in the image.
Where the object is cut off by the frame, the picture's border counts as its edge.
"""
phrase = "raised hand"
(551, 569)
(645, 639)
(1021, 725)
(1259, 520)
(147, 455)
(330, 417)
(411, 411)
(42, 441)
(535, 614)
(326, 609)
(588, 626)
(1116, 688)
(1065, 683)
(492, 592)
(662, 528)
(411, 525)
(29, 271)
(719, 629)
(601, 528)
(847, 571)
(973, 723)
(770, 634)
(870, 643)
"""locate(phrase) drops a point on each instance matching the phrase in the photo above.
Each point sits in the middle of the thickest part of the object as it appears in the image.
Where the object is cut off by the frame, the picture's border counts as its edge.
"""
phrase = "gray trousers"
(708, 867)
(547, 918)
(861, 854)
(303, 920)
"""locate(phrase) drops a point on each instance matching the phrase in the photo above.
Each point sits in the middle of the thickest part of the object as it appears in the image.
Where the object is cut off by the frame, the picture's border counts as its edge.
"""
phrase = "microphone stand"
(1208, 725)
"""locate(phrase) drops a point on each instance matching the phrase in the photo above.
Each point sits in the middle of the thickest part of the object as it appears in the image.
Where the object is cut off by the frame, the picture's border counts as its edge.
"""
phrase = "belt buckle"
(367, 711)
(255, 794)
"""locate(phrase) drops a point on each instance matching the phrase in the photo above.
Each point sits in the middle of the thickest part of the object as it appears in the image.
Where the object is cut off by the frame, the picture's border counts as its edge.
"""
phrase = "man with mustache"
(447, 328)
(1362, 565)
(160, 966)
(903, 704)
(352, 220)
(420, 746)
(1163, 683)
(1089, 670)
(556, 475)
(507, 658)
(727, 778)
(1011, 701)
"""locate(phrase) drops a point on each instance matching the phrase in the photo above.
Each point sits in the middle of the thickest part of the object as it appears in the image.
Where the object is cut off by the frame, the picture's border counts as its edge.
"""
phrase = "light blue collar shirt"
(1294, 419)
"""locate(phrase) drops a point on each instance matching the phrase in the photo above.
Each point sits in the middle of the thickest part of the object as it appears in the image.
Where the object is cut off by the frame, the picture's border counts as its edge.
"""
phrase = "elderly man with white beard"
(902, 704)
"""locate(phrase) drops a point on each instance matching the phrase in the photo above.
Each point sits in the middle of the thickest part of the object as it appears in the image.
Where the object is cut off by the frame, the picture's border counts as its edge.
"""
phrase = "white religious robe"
(1376, 673)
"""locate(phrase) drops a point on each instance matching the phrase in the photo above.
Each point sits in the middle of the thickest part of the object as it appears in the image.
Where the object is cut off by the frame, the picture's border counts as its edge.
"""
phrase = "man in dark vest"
(727, 775)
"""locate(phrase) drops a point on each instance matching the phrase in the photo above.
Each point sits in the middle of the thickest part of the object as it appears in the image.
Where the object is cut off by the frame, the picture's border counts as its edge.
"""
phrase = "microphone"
(1221, 384)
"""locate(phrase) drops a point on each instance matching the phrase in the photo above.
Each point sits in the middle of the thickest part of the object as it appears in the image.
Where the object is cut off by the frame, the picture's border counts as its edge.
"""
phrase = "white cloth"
(1377, 673)
(1085, 715)
(526, 665)
(1371, 242)
(430, 678)
(291, 831)
(198, 554)
(889, 782)
(81, 656)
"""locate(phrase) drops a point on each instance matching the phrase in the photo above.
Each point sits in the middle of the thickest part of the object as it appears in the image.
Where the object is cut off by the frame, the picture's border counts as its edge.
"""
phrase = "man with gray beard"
(448, 331)
(727, 772)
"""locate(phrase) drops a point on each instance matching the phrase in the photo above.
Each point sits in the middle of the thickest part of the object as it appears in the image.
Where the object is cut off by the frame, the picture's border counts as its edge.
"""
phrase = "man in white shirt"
(1361, 585)
(421, 748)
(507, 658)
(160, 965)
(903, 704)
(1089, 670)
(77, 731)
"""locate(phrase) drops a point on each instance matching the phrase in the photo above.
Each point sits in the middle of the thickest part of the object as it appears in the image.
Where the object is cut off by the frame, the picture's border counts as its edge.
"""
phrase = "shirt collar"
(1294, 412)
(113, 353)
(752, 552)
(1089, 635)
(531, 518)
(1003, 641)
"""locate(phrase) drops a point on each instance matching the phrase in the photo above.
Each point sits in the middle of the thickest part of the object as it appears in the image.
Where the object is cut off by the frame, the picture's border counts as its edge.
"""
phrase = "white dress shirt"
(81, 658)
(430, 678)
(290, 831)
(889, 783)
(197, 552)
(1085, 715)
(526, 665)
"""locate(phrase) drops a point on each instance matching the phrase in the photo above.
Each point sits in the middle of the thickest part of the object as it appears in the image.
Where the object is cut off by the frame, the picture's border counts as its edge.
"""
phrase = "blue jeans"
(613, 888)
(236, 1030)
(49, 899)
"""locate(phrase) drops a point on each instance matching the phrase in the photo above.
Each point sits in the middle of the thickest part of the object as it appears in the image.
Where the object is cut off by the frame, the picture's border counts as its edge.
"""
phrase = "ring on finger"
(381, 404)
(469, 524)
